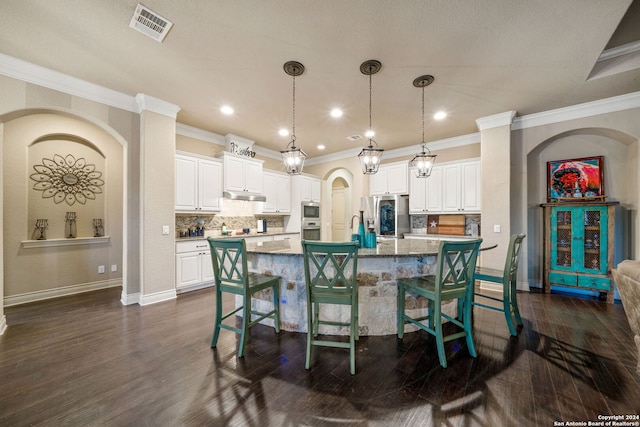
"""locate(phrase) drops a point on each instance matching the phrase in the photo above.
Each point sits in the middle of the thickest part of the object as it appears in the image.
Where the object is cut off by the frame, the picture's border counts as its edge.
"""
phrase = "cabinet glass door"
(594, 244)
(561, 239)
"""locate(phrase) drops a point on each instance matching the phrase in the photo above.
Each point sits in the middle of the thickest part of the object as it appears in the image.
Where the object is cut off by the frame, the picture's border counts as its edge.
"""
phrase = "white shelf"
(29, 244)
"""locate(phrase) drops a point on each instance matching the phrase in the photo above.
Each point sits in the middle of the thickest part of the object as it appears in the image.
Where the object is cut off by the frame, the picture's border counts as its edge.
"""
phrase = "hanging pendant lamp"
(370, 157)
(293, 157)
(422, 163)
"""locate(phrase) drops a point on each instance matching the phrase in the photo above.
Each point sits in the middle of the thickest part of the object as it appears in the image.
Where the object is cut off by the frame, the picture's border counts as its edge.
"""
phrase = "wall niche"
(66, 175)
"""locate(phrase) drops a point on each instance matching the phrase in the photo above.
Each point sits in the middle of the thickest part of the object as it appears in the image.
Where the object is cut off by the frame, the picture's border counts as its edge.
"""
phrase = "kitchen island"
(378, 270)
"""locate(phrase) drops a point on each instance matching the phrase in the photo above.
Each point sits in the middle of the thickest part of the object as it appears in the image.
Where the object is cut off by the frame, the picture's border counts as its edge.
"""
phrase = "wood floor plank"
(87, 360)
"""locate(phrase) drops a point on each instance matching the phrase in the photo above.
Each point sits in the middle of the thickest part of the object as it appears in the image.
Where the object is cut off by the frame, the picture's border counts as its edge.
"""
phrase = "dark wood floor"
(88, 361)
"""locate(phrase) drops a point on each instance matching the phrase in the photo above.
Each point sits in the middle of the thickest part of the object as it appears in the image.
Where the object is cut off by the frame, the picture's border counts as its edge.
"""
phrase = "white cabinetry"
(277, 190)
(425, 194)
(309, 189)
(242, 174)
(391, 178)
(198, 184)
(461, 187)
(194, 268)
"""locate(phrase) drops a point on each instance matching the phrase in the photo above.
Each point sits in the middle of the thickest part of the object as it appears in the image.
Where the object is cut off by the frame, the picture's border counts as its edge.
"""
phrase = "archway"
(620, 162)
(80, 124)
(342, 180)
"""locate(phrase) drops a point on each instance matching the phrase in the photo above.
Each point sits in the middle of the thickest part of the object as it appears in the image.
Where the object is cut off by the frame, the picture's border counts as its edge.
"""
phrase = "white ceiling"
(487, 57)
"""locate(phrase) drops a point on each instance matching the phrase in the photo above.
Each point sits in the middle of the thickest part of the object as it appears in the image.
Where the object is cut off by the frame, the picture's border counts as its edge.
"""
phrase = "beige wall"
(115, 129)
(157, 154)
(33, 270)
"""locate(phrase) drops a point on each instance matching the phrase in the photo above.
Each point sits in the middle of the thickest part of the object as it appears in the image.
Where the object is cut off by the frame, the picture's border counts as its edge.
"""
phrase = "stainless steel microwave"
(310, 211)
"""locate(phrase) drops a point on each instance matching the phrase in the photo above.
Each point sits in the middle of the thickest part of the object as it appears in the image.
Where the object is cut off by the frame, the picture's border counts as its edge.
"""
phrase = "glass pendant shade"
(293, 157)
(370, 157)
(422, 163)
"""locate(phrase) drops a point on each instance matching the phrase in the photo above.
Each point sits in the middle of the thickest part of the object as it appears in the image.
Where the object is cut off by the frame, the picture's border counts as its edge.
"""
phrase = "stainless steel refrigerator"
(388, 215)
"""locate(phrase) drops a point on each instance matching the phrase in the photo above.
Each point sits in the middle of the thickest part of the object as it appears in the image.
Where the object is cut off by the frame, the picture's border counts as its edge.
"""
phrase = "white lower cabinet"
(194, 268)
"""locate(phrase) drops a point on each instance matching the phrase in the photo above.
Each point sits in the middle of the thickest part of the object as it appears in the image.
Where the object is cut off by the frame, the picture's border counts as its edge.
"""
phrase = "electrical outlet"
(100, 269)
(114, 268)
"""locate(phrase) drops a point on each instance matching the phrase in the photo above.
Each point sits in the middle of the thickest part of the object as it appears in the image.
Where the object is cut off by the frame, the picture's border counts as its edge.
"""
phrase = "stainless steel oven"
(311, 230)
(311, 211)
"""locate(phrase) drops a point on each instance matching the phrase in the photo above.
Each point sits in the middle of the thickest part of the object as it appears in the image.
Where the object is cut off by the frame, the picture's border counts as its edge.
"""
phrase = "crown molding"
(496, 120)
(197, 133)
(456, 141)
(618, 51)
(579, 111)
(41, 76)
(149, 103)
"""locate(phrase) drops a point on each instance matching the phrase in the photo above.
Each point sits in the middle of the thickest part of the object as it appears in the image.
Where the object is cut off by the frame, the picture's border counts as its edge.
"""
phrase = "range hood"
(241, 195)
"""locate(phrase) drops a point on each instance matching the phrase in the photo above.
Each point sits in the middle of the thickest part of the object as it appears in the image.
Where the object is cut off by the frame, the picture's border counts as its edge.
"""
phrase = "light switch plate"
(165, 229)
(496, 228)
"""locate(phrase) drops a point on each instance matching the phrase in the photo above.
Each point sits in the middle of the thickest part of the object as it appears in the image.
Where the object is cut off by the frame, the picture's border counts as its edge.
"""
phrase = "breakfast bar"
(378, 270)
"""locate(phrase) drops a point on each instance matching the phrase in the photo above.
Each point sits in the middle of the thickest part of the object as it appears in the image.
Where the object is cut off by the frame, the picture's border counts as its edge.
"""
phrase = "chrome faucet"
(356, 217)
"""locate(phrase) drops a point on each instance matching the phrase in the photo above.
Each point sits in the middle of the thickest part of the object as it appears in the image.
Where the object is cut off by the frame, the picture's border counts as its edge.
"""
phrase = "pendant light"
(369, 156)
(293, 157)
(422, 163)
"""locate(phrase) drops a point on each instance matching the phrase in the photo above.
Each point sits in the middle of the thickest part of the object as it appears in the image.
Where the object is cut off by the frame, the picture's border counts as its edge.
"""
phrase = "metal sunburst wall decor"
(68, 179)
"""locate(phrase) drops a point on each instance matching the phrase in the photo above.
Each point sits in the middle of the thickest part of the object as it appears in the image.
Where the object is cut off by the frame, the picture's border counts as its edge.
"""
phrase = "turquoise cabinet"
(579, 246)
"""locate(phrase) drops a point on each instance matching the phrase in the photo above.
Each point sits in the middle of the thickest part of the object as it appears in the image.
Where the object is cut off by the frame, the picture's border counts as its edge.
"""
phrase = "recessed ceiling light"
(440, 115)
(225, 109)
(321, 147)
(336, 112)
(369, 134)
(283, 132)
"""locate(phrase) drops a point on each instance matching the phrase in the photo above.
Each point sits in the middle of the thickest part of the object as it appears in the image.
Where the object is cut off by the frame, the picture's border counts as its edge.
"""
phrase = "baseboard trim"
(129, 299)
(60, 292)
(158, 297)
(3, 324)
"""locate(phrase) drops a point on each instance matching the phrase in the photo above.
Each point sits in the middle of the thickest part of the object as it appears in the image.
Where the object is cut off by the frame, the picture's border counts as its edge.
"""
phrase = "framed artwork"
(576, 179)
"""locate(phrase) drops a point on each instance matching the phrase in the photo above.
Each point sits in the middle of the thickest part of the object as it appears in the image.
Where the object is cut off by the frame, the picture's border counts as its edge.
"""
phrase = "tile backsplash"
(236, 214)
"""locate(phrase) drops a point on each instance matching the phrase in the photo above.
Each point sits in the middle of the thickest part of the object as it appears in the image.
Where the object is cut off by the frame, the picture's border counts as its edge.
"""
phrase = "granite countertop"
(235, 236)
(386, 248)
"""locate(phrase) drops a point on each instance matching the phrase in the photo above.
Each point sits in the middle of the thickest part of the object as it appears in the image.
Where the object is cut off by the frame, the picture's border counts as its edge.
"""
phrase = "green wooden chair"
(331, 276)
(229, 258)
(453, 280)
(507, 277)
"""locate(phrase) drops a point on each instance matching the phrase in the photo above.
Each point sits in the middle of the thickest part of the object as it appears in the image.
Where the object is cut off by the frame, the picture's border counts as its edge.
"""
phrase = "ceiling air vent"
(354, 137)
(150, 23)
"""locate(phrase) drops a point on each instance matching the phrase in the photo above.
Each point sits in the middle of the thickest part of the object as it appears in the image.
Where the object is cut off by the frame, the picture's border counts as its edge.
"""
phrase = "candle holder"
(70, 230)
(98, 229)
(40, 232)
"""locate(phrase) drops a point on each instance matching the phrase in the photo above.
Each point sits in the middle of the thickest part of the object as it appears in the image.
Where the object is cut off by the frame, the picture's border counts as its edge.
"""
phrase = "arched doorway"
(338, 210)
(339, 189)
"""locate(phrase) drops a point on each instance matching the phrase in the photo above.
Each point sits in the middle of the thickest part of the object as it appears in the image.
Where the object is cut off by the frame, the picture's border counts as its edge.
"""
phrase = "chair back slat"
(331, 265)
(229, 260)
(513, 257)
(456, 264)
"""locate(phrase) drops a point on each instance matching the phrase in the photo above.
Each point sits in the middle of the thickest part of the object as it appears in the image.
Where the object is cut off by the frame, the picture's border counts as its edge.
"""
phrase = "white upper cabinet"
(391, 178)
(309, 189)
(277, 190)
(425, 194)
(198, 184)
(461, 187)
(242, 174)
